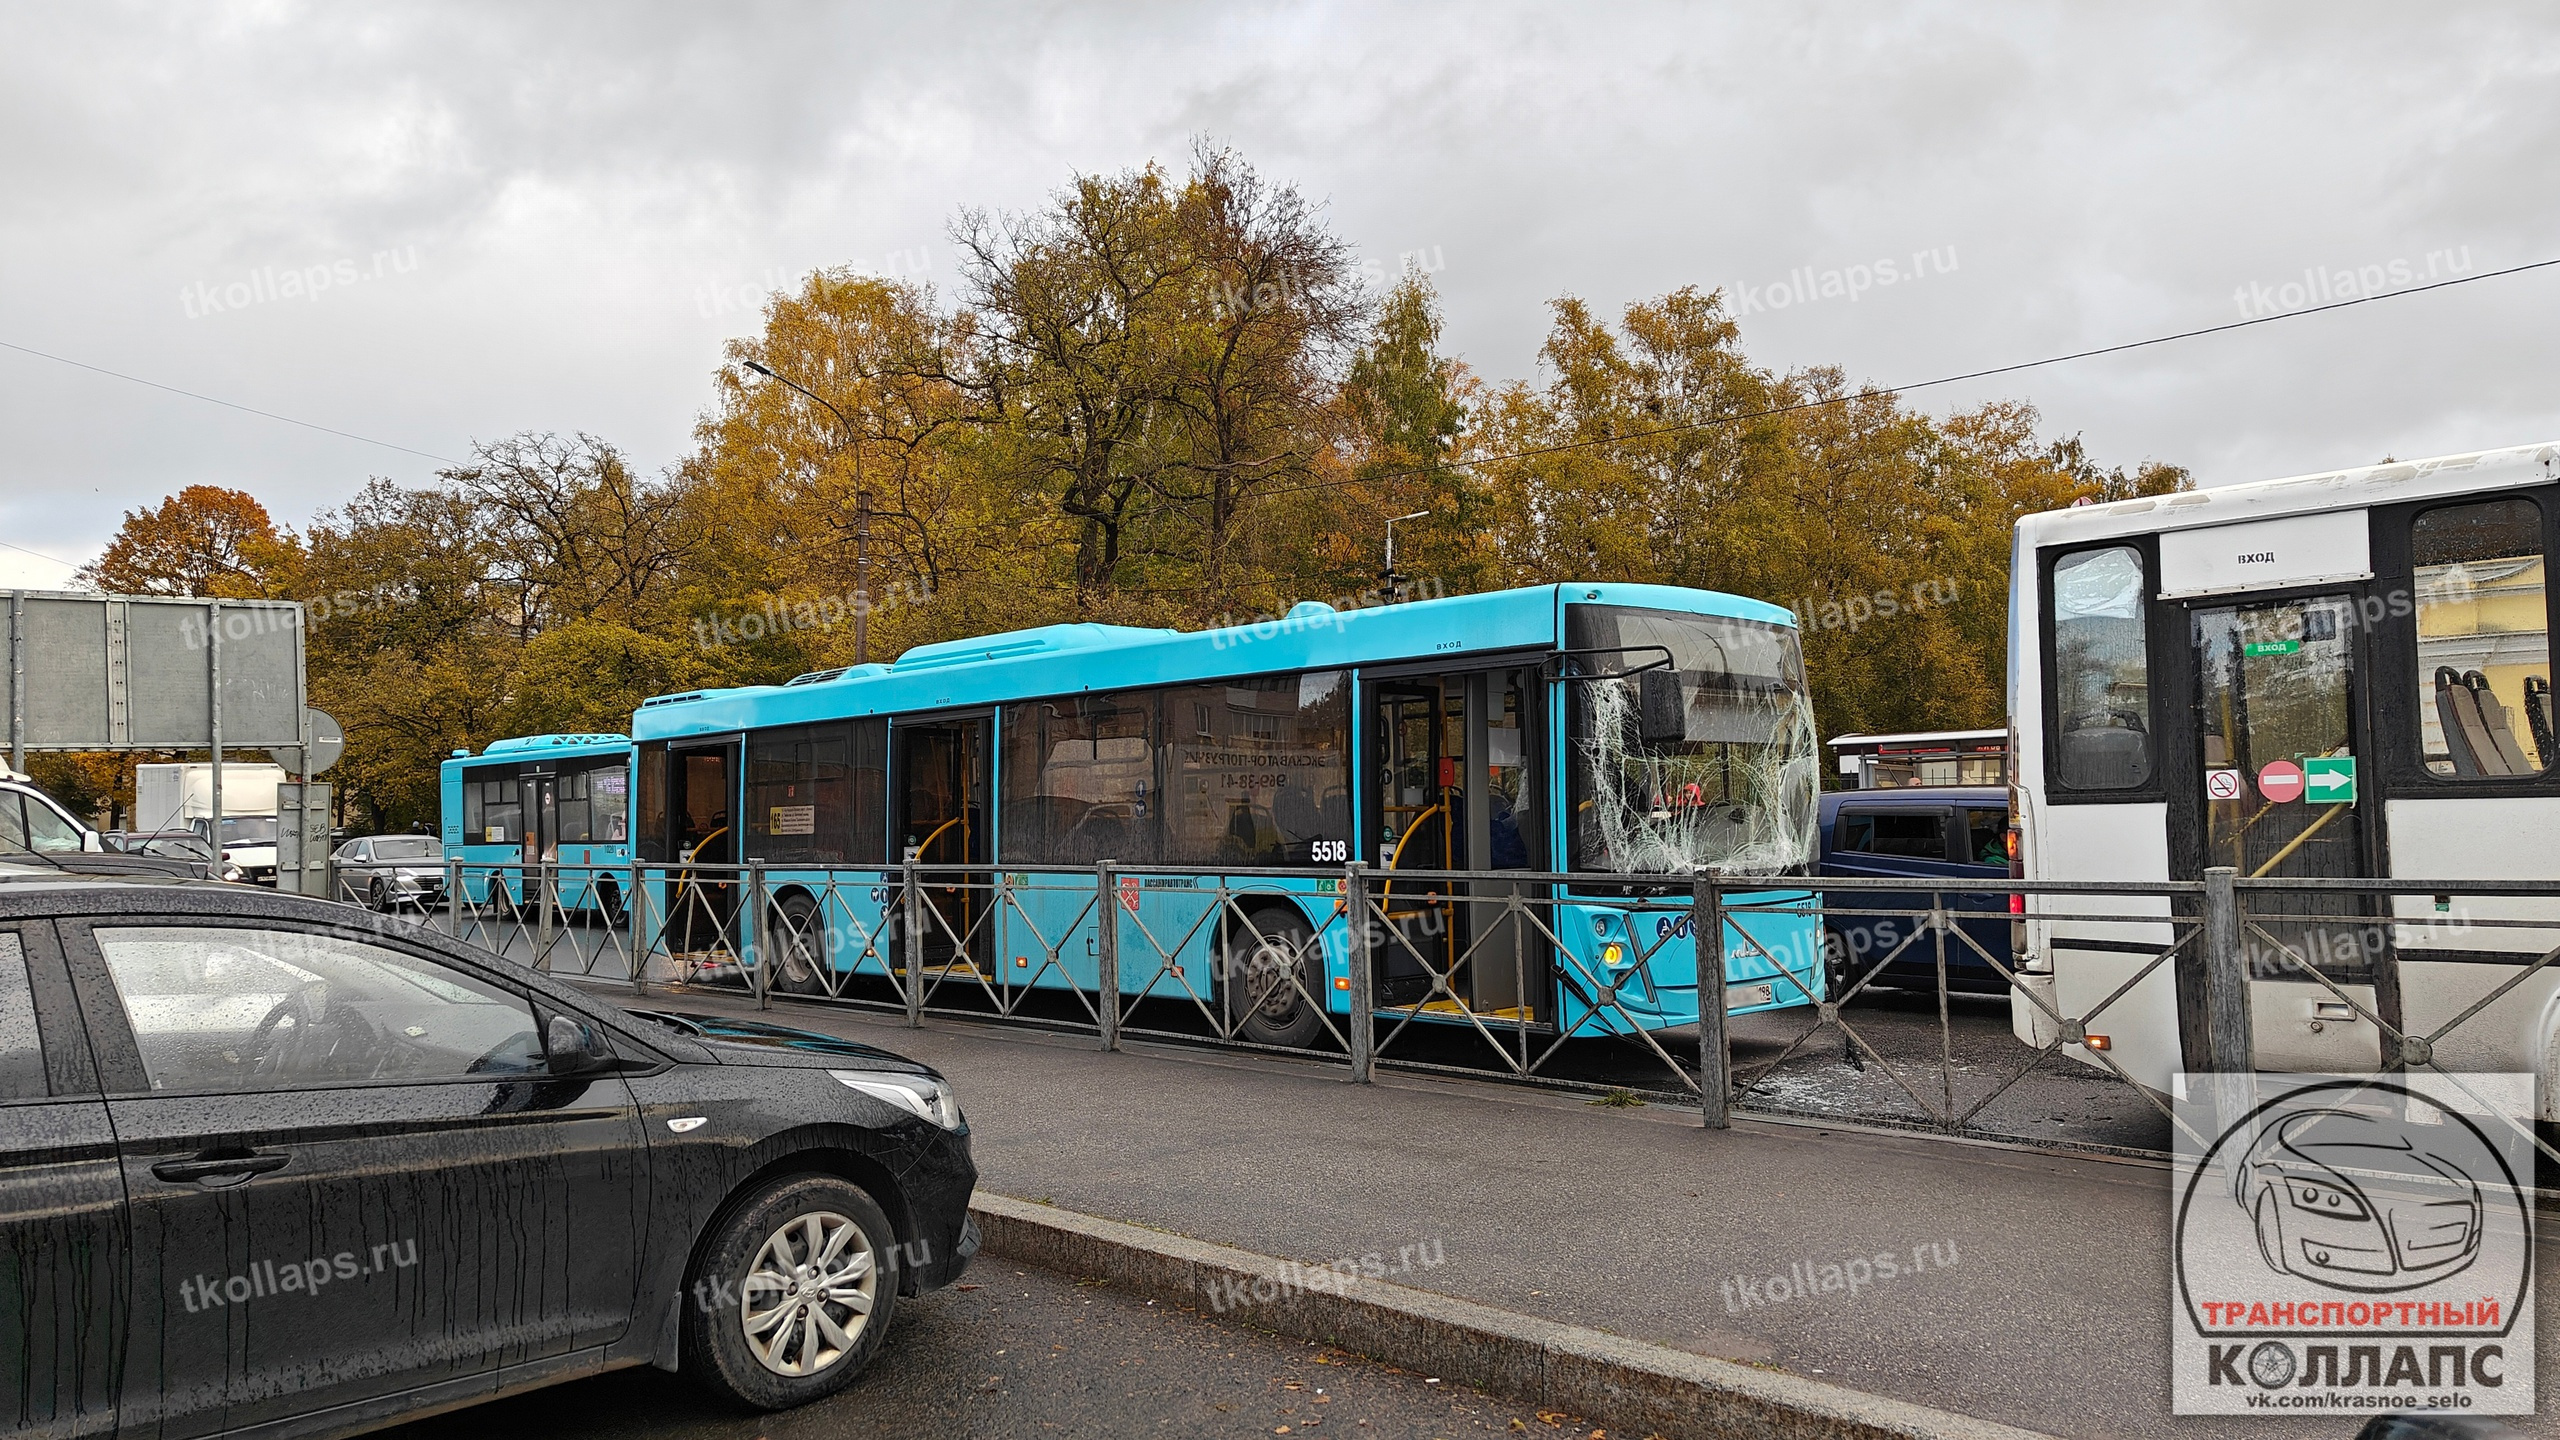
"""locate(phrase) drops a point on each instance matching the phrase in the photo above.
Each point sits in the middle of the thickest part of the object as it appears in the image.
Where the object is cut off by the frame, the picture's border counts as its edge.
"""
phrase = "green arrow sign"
(2329, 780)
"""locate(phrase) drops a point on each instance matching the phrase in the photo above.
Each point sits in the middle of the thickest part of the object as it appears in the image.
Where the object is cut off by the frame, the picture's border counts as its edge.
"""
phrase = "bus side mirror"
(1660, 717)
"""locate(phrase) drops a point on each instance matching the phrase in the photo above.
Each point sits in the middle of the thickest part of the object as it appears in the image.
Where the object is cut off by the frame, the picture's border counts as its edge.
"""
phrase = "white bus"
(2346, 675)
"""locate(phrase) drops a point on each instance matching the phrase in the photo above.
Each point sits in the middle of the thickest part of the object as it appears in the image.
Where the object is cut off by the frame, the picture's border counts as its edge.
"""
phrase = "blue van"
(1958, 835)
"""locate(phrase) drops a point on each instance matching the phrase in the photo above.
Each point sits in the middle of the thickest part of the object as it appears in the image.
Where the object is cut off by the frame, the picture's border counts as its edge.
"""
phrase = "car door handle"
(237, 1166)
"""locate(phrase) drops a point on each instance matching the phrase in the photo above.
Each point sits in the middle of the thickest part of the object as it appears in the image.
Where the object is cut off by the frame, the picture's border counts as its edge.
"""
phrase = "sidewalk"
(2039, 1299)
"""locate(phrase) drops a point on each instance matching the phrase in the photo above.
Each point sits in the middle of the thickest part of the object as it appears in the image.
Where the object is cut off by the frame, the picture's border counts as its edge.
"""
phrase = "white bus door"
(2280, 717)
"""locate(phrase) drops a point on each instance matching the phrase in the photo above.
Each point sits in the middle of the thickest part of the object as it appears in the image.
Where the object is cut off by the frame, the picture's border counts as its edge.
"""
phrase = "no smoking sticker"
(2222, 784)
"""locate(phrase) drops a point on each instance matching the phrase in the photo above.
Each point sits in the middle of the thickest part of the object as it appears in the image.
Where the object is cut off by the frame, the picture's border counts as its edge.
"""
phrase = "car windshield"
(248, 829)
(408, 847)
(1737, 792)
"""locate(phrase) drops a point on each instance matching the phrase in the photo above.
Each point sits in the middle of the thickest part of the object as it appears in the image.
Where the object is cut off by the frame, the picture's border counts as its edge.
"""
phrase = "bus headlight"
(922, 1096)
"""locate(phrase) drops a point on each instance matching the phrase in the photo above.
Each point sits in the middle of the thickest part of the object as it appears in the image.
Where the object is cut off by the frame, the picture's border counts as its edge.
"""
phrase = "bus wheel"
(609, 901)
(1261, 959)
(798, 948)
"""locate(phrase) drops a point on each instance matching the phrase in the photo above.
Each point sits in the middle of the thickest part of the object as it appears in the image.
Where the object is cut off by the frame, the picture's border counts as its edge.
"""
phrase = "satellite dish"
(328, 742)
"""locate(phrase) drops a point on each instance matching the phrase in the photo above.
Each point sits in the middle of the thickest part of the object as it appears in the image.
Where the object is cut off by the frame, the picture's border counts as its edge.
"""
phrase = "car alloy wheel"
(792, 1294)
(809, 1294)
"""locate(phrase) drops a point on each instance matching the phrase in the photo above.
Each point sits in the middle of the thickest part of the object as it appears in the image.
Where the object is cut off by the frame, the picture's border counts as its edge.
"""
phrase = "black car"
(390, 872)
(270, 1165)
(1958, 835)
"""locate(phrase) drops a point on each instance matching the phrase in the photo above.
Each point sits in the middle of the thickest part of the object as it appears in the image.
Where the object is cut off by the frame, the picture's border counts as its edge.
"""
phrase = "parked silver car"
(391, 872)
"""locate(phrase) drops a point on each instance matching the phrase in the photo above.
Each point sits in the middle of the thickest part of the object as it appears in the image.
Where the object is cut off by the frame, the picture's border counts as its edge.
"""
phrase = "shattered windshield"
(1737, 792)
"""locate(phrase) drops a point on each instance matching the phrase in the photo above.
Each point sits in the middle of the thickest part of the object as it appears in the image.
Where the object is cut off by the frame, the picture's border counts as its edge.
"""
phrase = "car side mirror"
(91, 844)
(1661, 718)
(575, 1047)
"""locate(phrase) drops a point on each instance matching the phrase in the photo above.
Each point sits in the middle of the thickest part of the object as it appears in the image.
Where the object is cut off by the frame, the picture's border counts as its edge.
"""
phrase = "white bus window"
(2484, 647)
(2101, 665)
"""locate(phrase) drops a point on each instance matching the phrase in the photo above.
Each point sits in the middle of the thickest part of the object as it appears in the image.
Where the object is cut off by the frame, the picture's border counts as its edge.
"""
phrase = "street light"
(1394, 585)
(861, 516)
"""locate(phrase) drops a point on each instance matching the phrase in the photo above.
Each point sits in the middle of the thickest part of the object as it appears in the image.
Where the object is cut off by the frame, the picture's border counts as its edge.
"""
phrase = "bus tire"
(1260, 955)
(609, 902)
(799, 947)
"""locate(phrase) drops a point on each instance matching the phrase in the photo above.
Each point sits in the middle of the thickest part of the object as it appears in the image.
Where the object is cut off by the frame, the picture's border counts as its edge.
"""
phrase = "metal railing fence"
(1581, 982)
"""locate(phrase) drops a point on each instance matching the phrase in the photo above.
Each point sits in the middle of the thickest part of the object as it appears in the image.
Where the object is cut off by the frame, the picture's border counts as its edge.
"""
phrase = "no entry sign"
(2280, 781)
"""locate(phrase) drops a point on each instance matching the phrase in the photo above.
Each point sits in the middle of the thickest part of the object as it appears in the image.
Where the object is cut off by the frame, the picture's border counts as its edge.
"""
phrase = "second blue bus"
(1629, 734)
(562, 800)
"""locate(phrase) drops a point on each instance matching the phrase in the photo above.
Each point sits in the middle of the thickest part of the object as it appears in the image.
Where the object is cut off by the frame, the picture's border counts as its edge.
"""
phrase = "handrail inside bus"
(927, 842)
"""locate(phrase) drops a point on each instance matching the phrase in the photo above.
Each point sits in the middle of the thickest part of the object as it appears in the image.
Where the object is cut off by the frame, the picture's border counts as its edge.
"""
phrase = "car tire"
(738, 1286)
(377, 898)
(799, 948)
(1262, 1005)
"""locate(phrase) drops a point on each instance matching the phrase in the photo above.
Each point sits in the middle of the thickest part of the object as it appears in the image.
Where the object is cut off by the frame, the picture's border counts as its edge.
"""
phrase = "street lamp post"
(861, 514)
(1395, 584)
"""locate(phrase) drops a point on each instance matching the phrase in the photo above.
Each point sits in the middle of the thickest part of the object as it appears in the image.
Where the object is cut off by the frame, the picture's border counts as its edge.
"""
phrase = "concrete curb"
(1624, 1384)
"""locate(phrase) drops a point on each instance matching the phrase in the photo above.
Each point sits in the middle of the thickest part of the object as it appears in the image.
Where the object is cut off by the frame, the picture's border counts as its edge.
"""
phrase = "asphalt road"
(2043, 1299)
(1024, 1353)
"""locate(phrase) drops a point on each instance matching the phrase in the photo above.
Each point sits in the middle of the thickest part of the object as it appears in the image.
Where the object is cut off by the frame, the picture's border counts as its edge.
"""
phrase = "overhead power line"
(23, 550)
(226, 404)
(1873, 392)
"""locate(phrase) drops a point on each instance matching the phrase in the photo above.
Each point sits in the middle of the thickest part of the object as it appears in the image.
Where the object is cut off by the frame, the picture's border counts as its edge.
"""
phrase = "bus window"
(608, 797)
(574, 816)
(2484, 648)
(2101, 664)
(799, 807)
(1260, 770)
(870, 845)
(651, 760)
(492, 812)
(1080, 781)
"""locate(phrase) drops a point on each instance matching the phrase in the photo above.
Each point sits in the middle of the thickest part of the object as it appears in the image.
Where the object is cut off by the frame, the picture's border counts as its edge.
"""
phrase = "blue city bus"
(1609, 739)
(562, 799)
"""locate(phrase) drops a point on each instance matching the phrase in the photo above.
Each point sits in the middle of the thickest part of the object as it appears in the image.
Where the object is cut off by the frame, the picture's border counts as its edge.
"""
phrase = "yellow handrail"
(936, 835)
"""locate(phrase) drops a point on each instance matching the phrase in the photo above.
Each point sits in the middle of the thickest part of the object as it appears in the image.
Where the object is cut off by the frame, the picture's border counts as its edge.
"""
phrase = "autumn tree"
(204, 540)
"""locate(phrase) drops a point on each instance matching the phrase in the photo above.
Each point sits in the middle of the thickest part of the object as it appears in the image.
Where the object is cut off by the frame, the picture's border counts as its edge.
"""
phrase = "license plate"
(1743, 997)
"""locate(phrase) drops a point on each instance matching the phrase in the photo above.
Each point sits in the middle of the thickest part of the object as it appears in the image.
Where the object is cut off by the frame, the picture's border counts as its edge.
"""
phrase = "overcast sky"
(549, 217)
